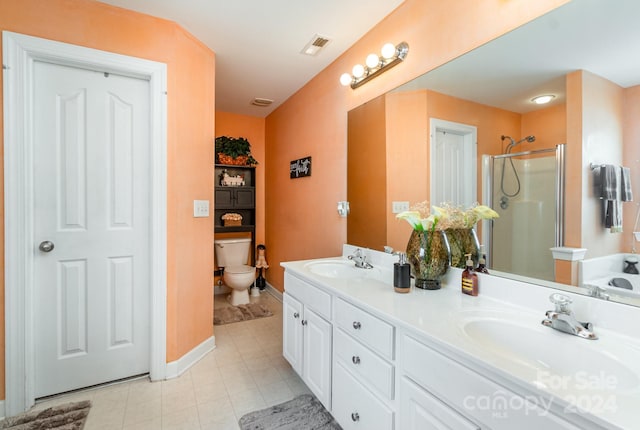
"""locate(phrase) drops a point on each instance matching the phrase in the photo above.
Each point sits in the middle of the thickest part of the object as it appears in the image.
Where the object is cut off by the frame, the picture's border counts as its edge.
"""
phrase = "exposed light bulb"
(372, 61)
(358, 71)
(540, 100)
(388, 50)
(345, 79)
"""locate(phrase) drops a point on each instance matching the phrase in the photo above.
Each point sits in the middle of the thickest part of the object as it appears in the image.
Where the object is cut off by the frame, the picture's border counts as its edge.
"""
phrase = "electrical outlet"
(200, 208)
(397, 207)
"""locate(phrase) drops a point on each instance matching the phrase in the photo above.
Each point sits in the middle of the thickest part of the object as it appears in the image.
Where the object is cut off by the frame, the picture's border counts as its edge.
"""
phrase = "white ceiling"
(258, 42)
(602, 37)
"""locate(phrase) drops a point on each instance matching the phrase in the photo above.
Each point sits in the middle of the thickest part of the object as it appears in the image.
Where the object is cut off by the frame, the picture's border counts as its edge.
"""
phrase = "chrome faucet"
(563, 319)
(360, 259)
(597, 291)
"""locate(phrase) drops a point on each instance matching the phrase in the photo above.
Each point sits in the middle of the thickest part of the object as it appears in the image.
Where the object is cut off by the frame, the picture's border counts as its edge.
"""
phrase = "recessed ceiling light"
(540, 100)
(260, 102)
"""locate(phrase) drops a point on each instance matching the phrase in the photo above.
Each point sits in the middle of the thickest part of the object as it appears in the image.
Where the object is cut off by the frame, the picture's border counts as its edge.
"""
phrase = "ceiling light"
(540, 100)
(260, 102)
(375, 65)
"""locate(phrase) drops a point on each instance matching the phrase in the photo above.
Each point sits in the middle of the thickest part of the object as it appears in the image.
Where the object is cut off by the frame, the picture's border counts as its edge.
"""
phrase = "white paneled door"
(453, 163)
(91, 164)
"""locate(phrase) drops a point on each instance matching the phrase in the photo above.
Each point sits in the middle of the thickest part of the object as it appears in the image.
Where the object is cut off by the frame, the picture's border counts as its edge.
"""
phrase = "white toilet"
(232, 255)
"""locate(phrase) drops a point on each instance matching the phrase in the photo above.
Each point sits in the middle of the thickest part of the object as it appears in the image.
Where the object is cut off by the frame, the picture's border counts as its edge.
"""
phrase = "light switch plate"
(397, 207)
(200, 208)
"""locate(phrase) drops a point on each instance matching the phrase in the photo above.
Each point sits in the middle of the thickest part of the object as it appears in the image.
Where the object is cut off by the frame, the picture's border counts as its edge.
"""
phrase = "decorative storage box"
(231, 219)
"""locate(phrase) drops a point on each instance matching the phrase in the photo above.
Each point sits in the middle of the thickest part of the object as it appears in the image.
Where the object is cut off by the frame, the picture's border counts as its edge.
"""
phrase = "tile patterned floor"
(245, 372)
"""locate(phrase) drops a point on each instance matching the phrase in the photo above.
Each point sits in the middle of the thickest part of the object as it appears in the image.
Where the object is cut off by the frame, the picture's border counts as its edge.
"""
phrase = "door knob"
(46, 246)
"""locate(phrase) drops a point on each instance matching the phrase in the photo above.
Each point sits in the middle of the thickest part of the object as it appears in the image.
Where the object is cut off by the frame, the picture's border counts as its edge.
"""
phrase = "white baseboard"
(274, 292)
(2, 410)
(178, 367)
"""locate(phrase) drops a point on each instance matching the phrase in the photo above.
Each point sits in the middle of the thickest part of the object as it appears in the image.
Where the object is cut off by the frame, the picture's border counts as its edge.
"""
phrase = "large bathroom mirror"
(576, 54)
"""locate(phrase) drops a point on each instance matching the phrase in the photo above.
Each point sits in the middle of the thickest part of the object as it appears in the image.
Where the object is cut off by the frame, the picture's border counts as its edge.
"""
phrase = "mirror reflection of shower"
(530, 221)
(504, 200)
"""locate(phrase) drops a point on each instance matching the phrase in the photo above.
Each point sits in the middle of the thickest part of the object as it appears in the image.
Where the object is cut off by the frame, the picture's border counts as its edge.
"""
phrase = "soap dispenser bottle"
(402, 274)
(482, 262)
(469, 278)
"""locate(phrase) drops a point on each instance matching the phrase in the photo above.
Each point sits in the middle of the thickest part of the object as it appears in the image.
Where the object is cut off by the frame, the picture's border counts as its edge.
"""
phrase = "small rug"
(231, 314)
(303, 412)
(70, 416)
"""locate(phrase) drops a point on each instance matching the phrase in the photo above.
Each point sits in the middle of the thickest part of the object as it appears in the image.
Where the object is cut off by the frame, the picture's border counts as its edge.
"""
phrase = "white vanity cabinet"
(363, 370)
(457, 397)
(307, 335)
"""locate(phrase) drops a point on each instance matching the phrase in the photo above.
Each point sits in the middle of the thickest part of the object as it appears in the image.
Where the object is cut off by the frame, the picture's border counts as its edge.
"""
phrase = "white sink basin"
(346, 269)
(343, 269)
(609, 362)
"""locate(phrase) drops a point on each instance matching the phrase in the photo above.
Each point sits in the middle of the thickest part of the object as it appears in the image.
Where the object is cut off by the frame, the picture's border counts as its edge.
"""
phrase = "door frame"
(20, 52)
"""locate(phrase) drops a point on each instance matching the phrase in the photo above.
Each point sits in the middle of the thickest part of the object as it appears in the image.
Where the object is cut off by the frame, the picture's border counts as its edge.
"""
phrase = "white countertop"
(591, 374)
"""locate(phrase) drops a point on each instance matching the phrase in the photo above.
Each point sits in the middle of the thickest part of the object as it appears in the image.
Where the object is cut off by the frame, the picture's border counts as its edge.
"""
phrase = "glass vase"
(429, 256)
(463, 241)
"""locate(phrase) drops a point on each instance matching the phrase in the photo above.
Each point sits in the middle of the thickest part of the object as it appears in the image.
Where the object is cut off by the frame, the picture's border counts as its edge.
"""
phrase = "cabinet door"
(355, 407)
(292, 332)
(244, 198)
(224, 198)
(419, 410)
(316, 356)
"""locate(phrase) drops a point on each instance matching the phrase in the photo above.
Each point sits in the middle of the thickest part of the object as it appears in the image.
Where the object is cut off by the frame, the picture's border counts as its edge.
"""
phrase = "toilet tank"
(232, 252)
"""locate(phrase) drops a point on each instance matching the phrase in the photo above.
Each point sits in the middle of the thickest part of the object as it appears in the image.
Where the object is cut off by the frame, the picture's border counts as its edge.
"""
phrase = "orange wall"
(301, 217)
(548, 125)
(191, 93)
(407, 153)
(366, 175)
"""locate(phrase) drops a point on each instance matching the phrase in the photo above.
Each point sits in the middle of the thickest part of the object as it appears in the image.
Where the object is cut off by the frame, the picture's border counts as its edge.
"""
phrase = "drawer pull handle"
(355, 417)
(357, 325)
(303, 322)
(355, 359)
(296, 315)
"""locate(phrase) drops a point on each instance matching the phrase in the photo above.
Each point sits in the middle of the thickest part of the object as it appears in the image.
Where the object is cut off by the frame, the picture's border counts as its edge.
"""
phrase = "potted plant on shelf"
(234, 151)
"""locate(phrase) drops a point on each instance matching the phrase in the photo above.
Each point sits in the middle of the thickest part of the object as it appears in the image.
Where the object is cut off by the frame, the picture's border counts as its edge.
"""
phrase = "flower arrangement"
(445, 216)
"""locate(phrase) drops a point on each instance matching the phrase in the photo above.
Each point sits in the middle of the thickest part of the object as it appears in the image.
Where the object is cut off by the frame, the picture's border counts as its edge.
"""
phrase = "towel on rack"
(607, 187)
(626, 195)
(606, 182)
(613, 215)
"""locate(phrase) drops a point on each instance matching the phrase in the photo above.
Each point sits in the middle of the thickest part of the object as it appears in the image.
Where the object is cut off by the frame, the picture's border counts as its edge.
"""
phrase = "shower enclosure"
(527, 191)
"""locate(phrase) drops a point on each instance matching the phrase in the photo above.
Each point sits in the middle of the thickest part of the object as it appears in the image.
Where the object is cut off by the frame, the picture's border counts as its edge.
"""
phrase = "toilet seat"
(239, 269)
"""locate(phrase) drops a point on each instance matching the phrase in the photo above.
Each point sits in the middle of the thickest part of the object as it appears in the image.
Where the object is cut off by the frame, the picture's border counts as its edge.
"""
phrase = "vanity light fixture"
(541, 100)
(375, 65)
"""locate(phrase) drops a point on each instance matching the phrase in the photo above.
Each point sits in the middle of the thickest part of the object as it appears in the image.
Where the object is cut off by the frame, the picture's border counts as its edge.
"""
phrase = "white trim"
(274, 292)
(19, 54)
(184, 363)
(568, 254)
(2, 414)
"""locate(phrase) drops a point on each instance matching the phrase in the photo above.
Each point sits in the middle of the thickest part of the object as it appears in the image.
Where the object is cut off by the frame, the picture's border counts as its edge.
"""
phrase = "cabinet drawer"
(355, 407)
(370, 330)
(366, 364)
(473, 395)
(309, 295)
(419, 410)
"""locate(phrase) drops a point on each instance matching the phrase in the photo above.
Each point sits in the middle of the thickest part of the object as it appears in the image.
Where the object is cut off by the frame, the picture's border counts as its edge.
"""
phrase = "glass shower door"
(526, 189)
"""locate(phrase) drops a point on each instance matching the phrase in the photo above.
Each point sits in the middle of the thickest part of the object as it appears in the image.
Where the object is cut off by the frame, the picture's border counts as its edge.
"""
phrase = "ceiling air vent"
(314, 46)
(261, 102)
